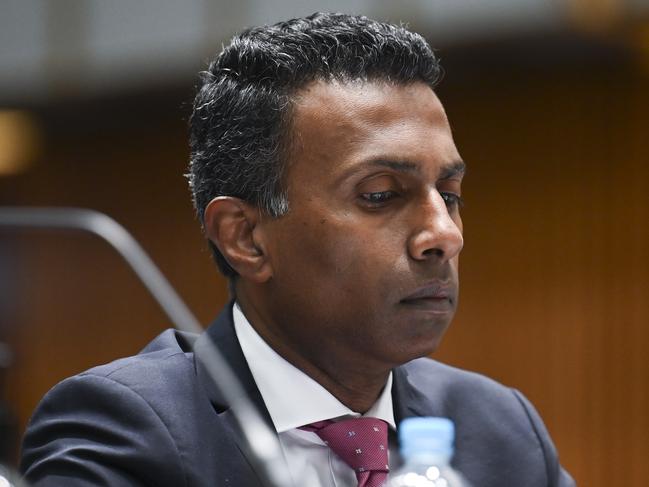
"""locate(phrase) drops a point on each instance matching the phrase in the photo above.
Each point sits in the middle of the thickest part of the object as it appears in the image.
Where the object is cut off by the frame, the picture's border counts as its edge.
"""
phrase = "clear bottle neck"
(428, 458)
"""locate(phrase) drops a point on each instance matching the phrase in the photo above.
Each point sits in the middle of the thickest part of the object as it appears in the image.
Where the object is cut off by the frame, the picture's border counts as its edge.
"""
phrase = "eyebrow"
(456, 168)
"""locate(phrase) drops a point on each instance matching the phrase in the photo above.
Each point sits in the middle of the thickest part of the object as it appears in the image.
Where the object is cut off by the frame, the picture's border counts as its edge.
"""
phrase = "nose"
(435, 233)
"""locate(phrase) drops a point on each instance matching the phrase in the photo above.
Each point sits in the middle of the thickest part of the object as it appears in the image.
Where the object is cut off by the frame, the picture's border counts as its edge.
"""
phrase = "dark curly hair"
(240, 124)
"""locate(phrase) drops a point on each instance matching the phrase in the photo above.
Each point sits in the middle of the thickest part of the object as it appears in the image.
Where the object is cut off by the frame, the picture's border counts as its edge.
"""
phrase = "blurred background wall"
(549, 102)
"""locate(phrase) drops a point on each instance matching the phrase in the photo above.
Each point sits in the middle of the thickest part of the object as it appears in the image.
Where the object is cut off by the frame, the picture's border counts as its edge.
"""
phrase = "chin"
(422, 347)
(428, 347)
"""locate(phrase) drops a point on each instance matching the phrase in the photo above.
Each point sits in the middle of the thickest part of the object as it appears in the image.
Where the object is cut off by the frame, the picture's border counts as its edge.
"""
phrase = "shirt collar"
(293, 398)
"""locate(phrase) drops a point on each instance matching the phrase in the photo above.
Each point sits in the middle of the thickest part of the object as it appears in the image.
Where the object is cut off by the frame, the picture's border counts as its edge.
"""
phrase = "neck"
(358, 392)
(355, 383)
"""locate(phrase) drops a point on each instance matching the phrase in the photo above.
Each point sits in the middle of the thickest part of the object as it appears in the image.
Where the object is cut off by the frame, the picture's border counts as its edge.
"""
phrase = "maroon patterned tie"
(362, 443)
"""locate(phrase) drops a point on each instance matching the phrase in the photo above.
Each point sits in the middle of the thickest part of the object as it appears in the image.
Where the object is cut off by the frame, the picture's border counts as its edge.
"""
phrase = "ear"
(232, 225)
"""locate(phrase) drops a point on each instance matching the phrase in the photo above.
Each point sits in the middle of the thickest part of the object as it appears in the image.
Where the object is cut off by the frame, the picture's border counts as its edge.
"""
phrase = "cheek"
(333, 257)
(338, 255)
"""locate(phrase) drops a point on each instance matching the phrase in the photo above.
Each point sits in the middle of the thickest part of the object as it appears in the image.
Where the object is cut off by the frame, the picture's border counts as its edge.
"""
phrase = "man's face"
(365, 263)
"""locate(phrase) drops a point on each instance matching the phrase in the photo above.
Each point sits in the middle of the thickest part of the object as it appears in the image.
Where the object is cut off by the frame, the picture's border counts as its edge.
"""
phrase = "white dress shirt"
(294, 399)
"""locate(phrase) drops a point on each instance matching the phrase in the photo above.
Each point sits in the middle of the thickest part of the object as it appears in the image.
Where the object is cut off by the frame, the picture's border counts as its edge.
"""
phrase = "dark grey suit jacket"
(156, 420)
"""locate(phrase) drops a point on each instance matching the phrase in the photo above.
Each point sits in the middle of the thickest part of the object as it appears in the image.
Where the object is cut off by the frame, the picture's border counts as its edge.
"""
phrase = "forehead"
(336, 125)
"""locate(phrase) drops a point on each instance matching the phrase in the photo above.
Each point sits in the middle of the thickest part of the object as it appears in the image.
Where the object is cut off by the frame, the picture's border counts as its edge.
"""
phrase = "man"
(326, 177)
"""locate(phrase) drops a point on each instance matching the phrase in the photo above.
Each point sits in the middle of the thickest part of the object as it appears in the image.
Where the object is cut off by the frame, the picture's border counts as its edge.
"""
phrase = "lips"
(436, 297)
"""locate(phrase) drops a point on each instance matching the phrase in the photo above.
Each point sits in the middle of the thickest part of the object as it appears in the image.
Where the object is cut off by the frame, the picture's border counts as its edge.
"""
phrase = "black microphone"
(263, 444)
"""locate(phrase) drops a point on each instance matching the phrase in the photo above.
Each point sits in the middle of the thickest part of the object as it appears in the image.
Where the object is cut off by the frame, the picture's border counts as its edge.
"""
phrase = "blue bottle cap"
(426, 435)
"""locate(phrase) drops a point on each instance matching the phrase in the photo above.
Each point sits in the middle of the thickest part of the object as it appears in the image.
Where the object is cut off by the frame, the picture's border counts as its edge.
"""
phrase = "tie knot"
(362, 443)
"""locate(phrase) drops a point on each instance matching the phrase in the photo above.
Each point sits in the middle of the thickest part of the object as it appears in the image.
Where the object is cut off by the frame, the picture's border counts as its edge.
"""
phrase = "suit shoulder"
(89, 427)
(167, 356)
(429, 373)
(490, 417)
(117, 421)
(455, 393)
(154, 378)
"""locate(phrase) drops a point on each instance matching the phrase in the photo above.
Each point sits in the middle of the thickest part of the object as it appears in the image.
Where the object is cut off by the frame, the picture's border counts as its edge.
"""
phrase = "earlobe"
(232, 225)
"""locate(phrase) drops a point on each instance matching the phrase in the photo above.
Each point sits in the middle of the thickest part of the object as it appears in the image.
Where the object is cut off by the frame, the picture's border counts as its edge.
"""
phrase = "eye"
(452, 200)
(378, 198)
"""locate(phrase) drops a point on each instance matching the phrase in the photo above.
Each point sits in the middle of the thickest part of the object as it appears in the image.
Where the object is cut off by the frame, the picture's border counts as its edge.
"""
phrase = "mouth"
(436, 297)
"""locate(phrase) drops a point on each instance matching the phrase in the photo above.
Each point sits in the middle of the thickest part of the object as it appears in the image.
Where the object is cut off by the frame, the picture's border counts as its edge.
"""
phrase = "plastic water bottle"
(427, 449)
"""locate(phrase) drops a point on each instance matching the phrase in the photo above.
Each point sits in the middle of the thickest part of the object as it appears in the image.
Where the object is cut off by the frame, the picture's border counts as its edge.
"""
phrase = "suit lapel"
(223, 336)
(407, 399)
